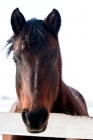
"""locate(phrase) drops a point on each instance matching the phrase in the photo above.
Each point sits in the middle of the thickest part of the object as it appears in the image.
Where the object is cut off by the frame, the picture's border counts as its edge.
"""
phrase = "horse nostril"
(24, 112)
(44, 115)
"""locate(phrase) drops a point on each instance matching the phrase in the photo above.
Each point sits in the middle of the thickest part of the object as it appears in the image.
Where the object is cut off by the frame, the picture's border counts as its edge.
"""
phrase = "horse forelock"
(33, 32)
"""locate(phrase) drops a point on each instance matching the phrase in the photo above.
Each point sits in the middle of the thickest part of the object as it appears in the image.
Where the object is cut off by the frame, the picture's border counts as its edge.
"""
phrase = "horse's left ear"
(17, 21)
(53, 22)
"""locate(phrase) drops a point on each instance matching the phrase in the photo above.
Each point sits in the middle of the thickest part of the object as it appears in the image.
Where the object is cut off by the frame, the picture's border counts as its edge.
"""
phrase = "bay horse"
(39, 85)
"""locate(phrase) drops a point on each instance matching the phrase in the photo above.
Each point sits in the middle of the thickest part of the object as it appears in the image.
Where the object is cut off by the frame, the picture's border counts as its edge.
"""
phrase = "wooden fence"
(59, 125)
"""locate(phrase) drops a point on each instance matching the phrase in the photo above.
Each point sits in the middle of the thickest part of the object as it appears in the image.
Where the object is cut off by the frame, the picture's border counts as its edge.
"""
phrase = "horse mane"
(32, 32)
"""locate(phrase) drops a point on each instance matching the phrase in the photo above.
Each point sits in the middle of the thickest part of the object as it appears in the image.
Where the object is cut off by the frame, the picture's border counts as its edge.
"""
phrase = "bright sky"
(75, 37)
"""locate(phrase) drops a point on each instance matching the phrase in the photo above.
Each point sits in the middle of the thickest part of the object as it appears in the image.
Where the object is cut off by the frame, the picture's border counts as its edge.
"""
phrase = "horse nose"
(35, 119)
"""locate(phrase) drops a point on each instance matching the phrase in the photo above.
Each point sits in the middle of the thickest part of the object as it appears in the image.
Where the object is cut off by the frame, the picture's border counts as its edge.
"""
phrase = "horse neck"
(68, 103)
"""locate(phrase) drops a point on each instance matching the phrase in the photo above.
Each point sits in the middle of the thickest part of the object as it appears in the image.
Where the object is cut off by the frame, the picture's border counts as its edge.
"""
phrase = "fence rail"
(60, 126)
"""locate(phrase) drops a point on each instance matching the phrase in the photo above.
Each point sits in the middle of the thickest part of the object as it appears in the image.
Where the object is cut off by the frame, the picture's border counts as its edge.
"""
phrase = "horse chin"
(34, 130)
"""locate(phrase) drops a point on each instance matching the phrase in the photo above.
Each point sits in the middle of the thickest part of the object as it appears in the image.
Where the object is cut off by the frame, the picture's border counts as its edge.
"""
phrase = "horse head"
(38, 66)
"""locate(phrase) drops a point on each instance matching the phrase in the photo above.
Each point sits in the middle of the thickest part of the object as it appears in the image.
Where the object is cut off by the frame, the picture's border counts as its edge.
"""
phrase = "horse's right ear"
(17, 21)
(52, 22)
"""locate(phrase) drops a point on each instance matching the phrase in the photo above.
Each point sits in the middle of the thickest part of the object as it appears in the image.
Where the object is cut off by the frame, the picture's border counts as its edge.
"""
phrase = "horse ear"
(53, 22)
(17, 21)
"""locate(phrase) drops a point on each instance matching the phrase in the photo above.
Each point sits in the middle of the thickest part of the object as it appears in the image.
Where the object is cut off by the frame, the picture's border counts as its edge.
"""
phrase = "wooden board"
(60, 125)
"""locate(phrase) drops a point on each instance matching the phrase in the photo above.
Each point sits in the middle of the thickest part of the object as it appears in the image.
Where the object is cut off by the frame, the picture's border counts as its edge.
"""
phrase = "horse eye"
(54, 59)
(53, 55)
(15, 61)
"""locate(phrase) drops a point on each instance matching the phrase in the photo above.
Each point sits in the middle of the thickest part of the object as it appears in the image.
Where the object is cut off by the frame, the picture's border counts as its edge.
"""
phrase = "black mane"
(33, 32)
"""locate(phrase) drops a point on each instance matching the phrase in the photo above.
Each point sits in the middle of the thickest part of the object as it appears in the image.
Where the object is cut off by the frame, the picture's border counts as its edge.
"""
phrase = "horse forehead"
(51, 44)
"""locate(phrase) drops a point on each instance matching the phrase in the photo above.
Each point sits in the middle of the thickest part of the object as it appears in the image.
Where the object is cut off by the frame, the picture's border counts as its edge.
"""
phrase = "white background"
(75, 38)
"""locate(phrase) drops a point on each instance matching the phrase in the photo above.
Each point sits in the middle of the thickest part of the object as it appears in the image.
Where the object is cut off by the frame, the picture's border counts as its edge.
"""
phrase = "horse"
(39, 85)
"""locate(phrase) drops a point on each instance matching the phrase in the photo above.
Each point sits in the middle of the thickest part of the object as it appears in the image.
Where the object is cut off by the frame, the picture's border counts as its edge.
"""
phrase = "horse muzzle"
(35, 121)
